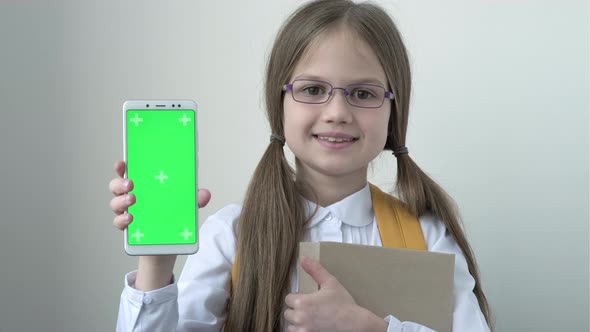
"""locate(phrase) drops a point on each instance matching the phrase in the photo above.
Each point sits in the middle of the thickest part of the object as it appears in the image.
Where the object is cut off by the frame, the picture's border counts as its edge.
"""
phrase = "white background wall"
(499, 117)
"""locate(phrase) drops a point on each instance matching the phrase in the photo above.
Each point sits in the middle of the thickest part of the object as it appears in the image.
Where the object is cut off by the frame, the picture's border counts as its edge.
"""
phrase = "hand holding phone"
(154, 272)
(120, 188)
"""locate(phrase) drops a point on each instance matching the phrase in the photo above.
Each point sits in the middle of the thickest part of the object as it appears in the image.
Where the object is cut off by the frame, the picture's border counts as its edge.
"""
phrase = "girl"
(337, 93)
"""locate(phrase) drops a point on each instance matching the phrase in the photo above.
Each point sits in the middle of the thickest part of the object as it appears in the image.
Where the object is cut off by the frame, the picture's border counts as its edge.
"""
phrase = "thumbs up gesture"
(331, 308)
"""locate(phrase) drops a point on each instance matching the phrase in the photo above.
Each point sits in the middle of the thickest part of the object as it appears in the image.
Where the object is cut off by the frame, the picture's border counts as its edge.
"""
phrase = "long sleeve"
(198, 301)
(467, 315)
(155, 310)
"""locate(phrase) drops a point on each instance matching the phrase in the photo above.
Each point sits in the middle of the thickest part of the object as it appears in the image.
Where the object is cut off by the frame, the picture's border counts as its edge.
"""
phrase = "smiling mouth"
(335, 139)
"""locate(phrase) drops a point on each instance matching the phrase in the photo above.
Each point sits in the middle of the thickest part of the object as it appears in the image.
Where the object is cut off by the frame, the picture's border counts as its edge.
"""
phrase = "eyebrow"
(371, 80)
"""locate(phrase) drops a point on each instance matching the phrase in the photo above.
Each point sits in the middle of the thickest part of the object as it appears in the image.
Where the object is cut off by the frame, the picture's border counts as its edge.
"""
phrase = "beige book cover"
(412, 285)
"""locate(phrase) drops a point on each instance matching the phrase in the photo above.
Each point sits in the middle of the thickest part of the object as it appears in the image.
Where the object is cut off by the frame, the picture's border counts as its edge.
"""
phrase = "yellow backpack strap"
(234, 274)
(398, 227)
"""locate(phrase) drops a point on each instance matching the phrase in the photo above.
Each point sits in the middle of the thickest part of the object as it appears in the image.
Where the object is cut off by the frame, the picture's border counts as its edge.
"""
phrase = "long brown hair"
(272, 220)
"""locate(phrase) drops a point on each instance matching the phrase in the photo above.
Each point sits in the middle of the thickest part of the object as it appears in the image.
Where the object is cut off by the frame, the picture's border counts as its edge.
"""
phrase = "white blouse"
(197, 302)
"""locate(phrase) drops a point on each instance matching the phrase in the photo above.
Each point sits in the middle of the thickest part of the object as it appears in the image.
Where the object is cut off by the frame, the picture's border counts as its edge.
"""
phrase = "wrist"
(369, 321)
(154, 272)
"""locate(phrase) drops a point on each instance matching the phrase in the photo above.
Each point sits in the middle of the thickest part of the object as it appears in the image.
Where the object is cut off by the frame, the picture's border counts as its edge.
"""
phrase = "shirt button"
(147, 299)
(328, 217)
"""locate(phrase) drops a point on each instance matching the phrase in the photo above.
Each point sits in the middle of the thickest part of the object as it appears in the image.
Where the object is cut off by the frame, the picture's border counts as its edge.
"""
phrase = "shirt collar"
(354, 210)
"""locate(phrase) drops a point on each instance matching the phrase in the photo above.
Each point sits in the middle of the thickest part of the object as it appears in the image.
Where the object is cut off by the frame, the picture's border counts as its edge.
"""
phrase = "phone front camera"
(178, 105)
(172, 105)
(147, 105)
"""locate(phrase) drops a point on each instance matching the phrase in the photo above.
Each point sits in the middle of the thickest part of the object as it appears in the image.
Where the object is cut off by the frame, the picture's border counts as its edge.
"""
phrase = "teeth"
(334, 139)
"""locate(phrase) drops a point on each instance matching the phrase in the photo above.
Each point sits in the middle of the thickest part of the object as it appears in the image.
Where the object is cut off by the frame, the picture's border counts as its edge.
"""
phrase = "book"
(412, 285)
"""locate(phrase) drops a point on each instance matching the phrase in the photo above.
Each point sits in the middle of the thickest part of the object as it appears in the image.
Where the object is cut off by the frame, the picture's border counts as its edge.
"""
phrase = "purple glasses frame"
(386, 95)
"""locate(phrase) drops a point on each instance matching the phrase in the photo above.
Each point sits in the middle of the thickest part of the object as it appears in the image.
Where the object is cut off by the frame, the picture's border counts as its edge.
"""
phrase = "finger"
(293, 300)
(315, 270)
(123, 220)
(203, 197)
(121, 203)
(120, 186)
(120, 168)
(292, 317)
(295, 328)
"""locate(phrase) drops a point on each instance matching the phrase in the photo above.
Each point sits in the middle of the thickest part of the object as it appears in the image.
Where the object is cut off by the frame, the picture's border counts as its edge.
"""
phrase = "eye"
(313, 90)
(362, 94)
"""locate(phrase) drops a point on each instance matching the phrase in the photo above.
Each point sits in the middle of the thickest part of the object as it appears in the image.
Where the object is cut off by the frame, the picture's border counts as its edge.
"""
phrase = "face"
(313, 131)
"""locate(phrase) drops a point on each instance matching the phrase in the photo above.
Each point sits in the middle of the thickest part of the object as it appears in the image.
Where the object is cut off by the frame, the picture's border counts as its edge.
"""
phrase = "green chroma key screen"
(161, 163)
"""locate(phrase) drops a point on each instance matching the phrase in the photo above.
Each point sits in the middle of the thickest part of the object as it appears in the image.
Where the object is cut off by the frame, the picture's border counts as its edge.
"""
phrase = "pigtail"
(272, 219)
(422, 195)
(269, 229)
(415, 188)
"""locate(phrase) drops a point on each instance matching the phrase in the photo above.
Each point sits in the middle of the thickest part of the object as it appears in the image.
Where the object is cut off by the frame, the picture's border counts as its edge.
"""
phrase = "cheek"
(296, 117)
(287, 114)
(385, 122)
(377, 127)
(290, 120)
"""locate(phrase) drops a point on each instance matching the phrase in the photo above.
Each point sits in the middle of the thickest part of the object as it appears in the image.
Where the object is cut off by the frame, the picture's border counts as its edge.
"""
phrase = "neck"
(329, 189)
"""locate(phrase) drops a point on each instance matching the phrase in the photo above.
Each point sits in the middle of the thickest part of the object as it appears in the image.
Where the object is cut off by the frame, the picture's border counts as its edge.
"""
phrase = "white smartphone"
(161, 154)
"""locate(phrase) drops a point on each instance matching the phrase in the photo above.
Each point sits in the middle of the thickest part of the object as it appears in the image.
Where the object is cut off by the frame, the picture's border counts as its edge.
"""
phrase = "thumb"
(315, 270)
(203, 197)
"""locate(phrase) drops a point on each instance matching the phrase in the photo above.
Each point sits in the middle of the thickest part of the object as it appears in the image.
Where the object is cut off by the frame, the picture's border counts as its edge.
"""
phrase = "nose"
(337, 109)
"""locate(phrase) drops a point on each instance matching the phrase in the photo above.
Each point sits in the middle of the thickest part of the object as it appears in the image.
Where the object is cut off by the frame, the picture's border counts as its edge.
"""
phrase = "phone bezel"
(162, 249)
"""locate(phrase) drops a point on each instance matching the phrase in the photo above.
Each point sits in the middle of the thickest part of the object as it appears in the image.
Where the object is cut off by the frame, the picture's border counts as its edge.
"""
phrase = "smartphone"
(161, 154)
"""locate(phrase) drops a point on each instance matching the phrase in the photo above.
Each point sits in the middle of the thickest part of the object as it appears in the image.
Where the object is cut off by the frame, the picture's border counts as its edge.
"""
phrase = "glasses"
(363, 95)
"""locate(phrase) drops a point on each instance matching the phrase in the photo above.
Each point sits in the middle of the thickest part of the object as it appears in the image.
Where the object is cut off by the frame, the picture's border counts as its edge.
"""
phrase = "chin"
(337, 170)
